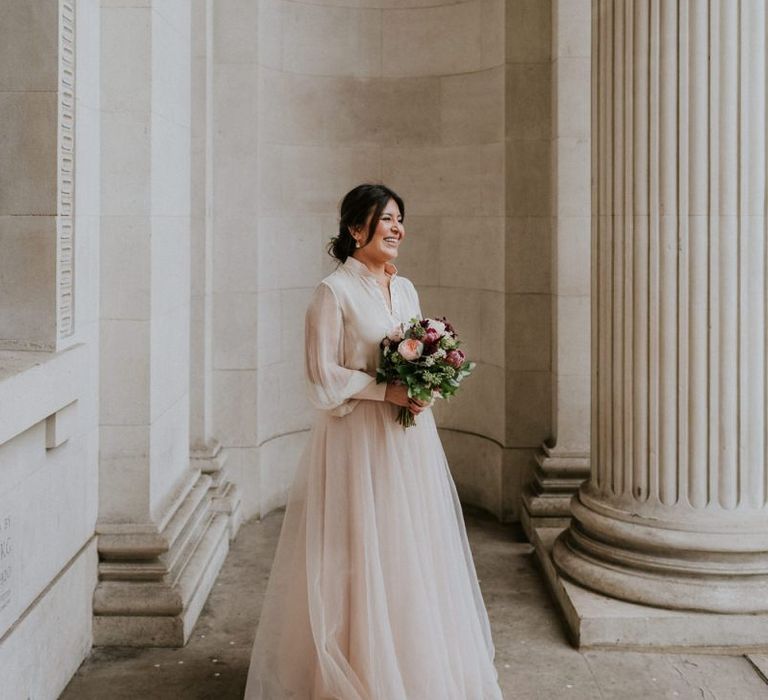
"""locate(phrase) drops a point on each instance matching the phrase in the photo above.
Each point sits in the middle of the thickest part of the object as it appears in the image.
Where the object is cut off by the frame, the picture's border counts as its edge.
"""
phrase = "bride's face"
(387, 237)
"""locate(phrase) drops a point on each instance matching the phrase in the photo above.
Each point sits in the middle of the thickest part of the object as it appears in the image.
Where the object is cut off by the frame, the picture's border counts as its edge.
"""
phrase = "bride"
(373, 593)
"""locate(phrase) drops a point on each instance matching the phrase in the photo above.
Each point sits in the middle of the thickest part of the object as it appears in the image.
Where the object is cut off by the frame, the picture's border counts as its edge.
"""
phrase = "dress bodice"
(346, 319)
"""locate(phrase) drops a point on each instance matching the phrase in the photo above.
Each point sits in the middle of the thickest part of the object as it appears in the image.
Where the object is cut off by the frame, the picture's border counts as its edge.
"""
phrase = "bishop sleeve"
(330, 385)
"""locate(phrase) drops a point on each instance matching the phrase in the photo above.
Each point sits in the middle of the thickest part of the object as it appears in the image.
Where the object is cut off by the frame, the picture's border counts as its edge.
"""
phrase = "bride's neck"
(377, 268)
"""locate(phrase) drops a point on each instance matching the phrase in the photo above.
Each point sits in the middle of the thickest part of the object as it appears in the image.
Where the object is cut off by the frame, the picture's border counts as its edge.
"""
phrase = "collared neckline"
(360, 268)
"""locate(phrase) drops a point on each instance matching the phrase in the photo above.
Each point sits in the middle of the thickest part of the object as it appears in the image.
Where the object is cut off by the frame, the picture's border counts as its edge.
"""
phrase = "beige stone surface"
(571, 111)
(571, 160)
(309, 109)
(331, 40)
(475, 408)
(28, 144)
(314, 178)
(434, 185)
(234, 402)
(573, 245)
(528, 31)
(462, 37)
(530, 318)
(528, 410)
(123, 239)
(29, 50)
(528, 173)
(476, 468)
(529, 247)
(472, 253)
(575, 17)
(472, 106)
(528, 106)
(27, 278)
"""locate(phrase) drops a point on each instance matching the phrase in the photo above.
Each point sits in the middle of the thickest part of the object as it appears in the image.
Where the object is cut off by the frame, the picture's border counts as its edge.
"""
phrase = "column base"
(152, 586)
(654, 560)
(556, 477)
(225, 495)
(595, 621)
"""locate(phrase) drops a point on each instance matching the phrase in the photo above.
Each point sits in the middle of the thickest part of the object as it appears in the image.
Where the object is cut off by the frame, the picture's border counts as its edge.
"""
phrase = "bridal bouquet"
(424, 355)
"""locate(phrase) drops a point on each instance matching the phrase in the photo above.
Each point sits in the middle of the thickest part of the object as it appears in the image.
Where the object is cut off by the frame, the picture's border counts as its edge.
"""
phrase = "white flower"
(396, 334)
(439, 354)
(439, 326)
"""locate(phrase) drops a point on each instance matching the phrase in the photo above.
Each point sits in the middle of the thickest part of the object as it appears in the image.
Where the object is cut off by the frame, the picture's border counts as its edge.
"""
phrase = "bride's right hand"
(398, 395)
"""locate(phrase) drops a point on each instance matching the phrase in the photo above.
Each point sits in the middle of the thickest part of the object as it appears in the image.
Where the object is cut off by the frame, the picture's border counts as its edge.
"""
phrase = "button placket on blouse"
(379, 292)
(368, 278)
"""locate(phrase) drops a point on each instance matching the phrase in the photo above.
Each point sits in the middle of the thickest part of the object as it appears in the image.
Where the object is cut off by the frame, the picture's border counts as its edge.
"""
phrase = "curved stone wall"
(413, 96)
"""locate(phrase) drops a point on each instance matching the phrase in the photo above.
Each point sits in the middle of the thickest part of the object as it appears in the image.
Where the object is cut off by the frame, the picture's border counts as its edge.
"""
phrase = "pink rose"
(410, 349)
(455, 358)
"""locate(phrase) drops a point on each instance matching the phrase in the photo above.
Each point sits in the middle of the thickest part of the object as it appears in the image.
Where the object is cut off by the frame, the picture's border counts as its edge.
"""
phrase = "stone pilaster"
(206, 453)
(675, 513)
(161, 536)
(563, 463)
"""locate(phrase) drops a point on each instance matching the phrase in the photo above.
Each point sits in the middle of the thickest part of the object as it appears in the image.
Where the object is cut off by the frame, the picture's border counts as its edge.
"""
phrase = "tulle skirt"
(373, 593)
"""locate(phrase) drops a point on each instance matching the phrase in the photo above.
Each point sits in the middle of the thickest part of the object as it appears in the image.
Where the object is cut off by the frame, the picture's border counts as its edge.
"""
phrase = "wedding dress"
(373, 593)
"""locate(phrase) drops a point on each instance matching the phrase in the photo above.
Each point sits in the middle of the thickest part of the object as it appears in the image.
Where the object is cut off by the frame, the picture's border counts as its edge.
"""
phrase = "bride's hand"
(398, 395)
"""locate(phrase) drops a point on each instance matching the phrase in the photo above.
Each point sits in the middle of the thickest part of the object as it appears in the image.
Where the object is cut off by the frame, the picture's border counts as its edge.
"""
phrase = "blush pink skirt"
(373, 593)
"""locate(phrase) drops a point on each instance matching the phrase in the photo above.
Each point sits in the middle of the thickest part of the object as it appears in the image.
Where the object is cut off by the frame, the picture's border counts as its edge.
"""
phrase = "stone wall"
(451, 110)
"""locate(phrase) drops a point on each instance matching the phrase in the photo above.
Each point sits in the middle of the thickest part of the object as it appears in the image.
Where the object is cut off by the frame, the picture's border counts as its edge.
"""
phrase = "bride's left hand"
(415, 406)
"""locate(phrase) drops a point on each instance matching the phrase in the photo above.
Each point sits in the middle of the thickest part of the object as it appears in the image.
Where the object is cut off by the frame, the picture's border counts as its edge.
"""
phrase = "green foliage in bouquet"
(425, 357)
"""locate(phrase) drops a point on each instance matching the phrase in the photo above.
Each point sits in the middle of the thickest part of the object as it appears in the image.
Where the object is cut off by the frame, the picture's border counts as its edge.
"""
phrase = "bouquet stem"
(405, 417)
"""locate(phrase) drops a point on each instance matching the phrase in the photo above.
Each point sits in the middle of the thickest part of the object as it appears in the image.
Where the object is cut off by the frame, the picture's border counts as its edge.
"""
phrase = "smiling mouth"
(392, 241)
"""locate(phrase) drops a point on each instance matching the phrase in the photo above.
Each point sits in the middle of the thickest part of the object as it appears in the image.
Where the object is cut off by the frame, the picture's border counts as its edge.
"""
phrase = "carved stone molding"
(65, 229)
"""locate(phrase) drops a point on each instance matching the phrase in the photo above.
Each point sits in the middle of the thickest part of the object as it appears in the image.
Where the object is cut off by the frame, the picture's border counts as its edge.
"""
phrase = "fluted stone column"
(675, 513)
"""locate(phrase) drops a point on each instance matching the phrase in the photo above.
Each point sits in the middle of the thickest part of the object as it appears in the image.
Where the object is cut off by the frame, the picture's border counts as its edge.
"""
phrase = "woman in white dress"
(373, 593)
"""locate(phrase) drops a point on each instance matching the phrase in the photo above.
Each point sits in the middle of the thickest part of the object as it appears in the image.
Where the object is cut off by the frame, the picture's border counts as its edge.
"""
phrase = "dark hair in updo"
(355, 208)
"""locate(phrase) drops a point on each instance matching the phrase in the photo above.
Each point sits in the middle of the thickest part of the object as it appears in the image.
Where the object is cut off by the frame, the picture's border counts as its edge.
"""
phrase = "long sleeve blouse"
(345, 321)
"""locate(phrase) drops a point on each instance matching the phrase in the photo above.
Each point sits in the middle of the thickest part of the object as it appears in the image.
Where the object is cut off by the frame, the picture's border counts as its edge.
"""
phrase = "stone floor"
(533, 656)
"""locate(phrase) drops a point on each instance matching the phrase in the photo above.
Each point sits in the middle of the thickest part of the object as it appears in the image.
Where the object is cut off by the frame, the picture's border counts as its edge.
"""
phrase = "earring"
(357, 243)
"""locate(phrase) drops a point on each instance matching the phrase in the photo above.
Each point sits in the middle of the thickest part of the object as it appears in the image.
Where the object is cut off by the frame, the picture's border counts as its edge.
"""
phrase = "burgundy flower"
(431, 336)
(455, 358)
